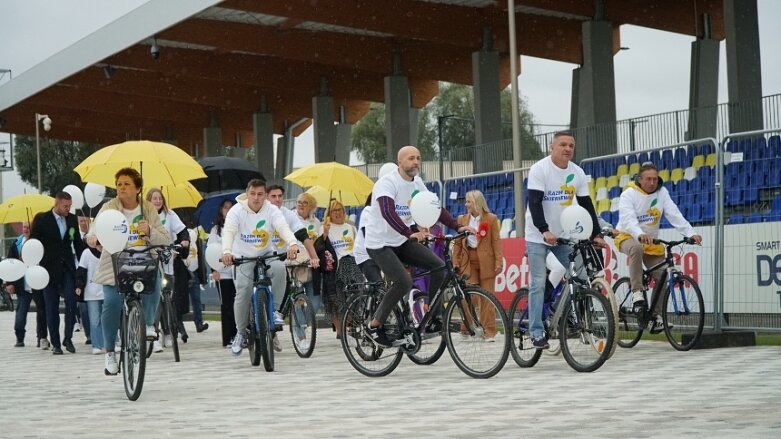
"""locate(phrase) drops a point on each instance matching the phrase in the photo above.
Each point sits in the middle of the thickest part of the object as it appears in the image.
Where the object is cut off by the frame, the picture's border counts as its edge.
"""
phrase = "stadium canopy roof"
(221, 61)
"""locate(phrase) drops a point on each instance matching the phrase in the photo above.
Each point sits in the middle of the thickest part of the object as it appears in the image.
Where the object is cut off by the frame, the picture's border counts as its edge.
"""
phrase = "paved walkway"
(648, 391)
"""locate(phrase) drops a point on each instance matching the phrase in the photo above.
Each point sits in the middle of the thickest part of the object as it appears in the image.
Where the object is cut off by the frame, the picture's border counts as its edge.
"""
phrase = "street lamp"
(47, 125)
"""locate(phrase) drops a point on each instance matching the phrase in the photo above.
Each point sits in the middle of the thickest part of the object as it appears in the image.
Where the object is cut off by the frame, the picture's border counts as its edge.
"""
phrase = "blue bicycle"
(261, 328)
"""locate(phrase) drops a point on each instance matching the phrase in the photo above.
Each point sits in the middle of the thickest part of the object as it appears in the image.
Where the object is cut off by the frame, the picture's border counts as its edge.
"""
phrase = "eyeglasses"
(302, 203)
(337, 210)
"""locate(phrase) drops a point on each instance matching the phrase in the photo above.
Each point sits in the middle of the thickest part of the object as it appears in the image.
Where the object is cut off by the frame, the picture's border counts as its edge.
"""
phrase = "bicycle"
(168, 318)
(261, 328)
(135, 273)
(683, 313)
(6, 300)
(296, 305)
(578, 315)
(486, 357)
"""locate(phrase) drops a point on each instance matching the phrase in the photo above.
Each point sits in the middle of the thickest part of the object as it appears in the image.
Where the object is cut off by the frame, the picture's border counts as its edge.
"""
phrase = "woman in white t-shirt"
(224, 278)
(306, 205)
(339, 236)
(92, 294)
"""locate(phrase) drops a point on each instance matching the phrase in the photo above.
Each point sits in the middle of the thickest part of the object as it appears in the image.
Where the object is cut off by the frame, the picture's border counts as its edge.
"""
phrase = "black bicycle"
(6, 300)
(167, 317)
(478, 345)
(135, 273)
(297, 306)
(682, 308)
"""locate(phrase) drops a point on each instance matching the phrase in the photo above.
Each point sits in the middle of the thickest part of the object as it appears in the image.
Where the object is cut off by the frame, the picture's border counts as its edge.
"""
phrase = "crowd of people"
(387, 244)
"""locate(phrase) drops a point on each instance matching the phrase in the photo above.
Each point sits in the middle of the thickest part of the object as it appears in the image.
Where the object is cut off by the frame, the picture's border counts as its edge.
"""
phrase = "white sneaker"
(169, 340)
(45, 344)
(277, 346)
(638, 296)
(303, 345)
(151, 334)
(111, 364)
(238, 343)
(157, 346)
(96, 351)
(278, 320)
(491, 339)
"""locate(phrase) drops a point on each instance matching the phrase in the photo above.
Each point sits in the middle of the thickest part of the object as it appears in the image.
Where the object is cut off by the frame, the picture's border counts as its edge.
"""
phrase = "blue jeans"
(95, 309)
(66, 289)
(112, 309)
(536, 254)
(195, 301)
(23, 299)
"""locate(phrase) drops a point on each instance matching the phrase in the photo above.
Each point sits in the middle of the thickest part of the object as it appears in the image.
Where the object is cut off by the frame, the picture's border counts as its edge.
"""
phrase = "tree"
(58, 158)
(458, 132)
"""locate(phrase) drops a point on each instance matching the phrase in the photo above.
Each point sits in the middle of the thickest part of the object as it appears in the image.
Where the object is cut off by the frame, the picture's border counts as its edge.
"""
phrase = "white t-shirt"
(312, 226)
(560, 187)
(295, 225)
(92, 291)
(248, 233)
(359, 249)
(173, 225)
(133, 216)
(392, 185)
(214, 237)
(471, 239)
(342, 237)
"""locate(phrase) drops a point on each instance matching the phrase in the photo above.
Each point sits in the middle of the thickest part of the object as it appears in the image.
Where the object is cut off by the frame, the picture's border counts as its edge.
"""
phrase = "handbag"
(302, 274)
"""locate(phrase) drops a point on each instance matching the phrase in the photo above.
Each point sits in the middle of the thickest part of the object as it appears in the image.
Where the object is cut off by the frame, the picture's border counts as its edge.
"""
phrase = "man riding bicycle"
(640, 210)
(394, 239)
(249, 226)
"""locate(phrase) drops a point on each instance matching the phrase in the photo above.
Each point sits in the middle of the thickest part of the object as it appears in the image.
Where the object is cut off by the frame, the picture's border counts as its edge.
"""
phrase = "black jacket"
(57, 251)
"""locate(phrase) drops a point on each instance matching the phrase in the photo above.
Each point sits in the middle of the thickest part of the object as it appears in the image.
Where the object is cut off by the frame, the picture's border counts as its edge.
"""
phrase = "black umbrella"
(225, 173)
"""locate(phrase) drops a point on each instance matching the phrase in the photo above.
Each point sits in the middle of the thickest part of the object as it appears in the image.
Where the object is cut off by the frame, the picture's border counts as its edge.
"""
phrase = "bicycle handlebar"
(260, 259)
(685, 240)
(448, 238)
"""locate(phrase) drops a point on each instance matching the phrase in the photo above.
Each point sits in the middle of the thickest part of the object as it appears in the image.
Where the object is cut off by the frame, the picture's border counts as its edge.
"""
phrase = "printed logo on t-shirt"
(344, 242)
(134, 239)
(652, 215)
(310, 230)
(258, 237)
(276, 240)
(565, 194)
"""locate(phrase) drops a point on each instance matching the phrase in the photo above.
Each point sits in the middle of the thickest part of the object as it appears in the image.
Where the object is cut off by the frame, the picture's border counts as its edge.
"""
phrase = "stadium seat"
(733, 146)
(667, 159)
(505, 227)
(750, 195)
(622, 169)
(634, 168)
(682, 186)
(611, 182)
(631, 158)
(600, 182)
(707, 149)
(733, 196)
(614, 192)
(603, 205)
(708, 211)
(601, 194)
(695, 213)
(735, 219)
(664, 174)
(690, 173)
(754, 218)
(624, 180)
(710, 160)
(676, 175)
(681, 159)
(607, 216)
(774, 146)
(614, 202)
(664, 224)
(642, 158)
(775, 206)
(698, 161)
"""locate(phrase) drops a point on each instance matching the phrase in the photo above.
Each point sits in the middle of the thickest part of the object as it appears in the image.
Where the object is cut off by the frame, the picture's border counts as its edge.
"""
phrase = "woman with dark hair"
(224, 278)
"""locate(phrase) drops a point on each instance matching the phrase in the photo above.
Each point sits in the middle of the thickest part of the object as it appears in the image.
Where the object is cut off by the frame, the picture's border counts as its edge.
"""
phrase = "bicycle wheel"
(253, 340)
(365, 356)
(521, 348)
(478, 346)
(684, 312)
(629, 330)
(601, 285)
(134, 350)
(159, 328)
(303, 326)
(173, 326)
(265, 334)
(586, 330)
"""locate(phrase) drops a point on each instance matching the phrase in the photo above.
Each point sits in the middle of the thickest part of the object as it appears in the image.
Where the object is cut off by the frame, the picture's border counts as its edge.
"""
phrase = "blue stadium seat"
(607, 216)
(667, 159)
(695, 213)
(682, 159)
(642, 157)
(756, 179)
(614, 192)
(744, 146)
(694, 150)
(735, 219)
(774, 146)
(686, 200)
(707, 148)
(664, 224)
(733, 196)
(732, 146)
(708, 212)
(682, 186)
(750, 195)
(754, 218)
(656, 158)
(775, 206)
(631, 158)
(758, 149)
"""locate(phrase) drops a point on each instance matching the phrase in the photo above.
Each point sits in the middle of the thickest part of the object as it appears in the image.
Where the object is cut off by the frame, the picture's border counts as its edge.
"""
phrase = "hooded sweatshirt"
(248, 234)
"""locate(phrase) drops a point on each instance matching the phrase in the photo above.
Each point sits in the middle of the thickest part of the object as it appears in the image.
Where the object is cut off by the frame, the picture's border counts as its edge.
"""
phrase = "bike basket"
(135, 272)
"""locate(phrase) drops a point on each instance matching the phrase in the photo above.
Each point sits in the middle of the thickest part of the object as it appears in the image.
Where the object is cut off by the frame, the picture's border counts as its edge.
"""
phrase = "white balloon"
(576, 222)
(76, 196)
(425, 208)
(94, 194)
(32, 252)
(112, 230)
(12, 269)
(213, 254)
(37, 277)
(386, 168)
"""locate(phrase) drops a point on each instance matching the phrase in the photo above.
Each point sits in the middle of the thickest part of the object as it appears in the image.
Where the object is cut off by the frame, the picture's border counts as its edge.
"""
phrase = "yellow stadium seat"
(664, 174)
(612, 182)
(603, 205)
(634, 168)
(622, 169)
(601, 182)
(710, 160)
(676, 175)
(698, 161)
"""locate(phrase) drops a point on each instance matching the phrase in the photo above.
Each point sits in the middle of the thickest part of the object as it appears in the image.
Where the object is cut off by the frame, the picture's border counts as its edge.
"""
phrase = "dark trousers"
(51, 296)
(227, 291)
(371, 271)
(23, 299)
(84, 317)
(391, 261)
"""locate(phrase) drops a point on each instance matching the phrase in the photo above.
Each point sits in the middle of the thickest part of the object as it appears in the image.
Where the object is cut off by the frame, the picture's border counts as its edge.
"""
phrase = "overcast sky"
(651, 77)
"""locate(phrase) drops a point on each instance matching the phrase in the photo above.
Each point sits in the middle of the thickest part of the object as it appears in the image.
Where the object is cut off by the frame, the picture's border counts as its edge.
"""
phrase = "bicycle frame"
(668, 276)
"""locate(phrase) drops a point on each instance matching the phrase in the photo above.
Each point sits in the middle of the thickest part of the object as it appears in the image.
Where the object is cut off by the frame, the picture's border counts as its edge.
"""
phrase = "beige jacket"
(104, 274)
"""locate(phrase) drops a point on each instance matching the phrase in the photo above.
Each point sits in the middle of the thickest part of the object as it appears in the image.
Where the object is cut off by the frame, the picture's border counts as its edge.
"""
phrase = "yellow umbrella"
(160, 164)
(332, 176)
(347, 198)
(181, 195)
(24, 207)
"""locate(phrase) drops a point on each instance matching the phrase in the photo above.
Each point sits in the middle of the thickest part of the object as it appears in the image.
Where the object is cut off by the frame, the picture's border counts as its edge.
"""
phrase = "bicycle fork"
(671, 286)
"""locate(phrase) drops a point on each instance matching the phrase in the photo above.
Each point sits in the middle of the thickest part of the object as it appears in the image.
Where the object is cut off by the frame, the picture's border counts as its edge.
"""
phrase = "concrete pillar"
(488, 110)
(573, 106)
(279, 173)
(344, 132)
(703, 88)
(325, 131)
(263, 138)
(398, 121)
(744, 75)
(596, 92)
(212, 137)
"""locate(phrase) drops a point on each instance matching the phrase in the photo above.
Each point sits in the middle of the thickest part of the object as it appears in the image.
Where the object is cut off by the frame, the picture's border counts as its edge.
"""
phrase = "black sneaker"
(541, 343)
(19, 344)
(202, 328)
(378, 336)
(658, 326)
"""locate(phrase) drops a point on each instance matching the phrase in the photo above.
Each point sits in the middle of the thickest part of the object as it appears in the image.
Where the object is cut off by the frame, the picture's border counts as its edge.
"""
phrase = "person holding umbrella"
(145, 229)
